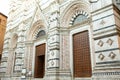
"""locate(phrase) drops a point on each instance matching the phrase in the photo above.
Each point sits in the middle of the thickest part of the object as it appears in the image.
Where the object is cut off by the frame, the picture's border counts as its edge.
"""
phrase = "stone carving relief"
(52, 53)
(18, 68)
(3, 64)
(110, 41)
(100, 43)
(101, 56)
(102, 22)
(15, 4)
(18, 61)
(112, 55)
(52, 63)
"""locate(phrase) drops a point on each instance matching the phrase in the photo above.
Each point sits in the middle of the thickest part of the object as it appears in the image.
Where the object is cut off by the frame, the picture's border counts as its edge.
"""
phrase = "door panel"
(81, 53)
(40, 61)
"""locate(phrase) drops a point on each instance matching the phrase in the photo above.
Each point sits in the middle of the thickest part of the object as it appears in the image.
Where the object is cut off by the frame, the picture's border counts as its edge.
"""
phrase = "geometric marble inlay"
(100, 43)
(52, 53)
(112, 55)
(102, 22)
(110, 41)
(101, 56)
(52, 63)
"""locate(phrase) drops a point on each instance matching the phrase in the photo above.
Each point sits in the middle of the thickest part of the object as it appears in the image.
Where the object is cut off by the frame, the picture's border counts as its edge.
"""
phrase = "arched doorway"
(40, 50)
(81, 48)
(77, 19)
(40, 61)
(36, 49)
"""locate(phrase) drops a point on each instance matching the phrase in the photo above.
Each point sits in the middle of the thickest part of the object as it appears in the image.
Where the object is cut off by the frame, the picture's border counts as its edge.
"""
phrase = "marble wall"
(55, 17)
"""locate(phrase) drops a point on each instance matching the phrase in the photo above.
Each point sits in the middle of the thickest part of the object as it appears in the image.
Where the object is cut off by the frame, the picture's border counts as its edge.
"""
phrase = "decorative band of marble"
(18, 64)
(104, 27)
(108, 62)
(107, 35)
(102, 17)
(3, 60)
(57, 74)
(106, 73)
(17, 71)
(53, 59)
(107, 50)
(54, 43)
(1, 67)
(52, 68)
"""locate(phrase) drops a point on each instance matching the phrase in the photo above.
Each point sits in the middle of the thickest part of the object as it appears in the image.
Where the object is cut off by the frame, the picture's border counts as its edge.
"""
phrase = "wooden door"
(40, 61)
(81, 55)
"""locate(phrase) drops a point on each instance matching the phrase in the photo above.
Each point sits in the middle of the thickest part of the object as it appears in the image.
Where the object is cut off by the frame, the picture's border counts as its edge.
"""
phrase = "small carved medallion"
(100, 43)
(112, 55)
(101, 56)
(102, 22)
(52, 53)
(110, 41)
(52, 63)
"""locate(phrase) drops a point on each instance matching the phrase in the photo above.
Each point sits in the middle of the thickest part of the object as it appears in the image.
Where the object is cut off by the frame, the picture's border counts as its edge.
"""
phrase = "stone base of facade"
(112, 77)
(58, 75)
(12, 78)
(105, 77)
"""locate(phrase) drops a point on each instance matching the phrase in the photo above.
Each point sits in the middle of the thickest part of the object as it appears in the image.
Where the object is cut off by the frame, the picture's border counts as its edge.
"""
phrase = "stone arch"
(32, 42)
(72, 10)
(40, 33)
(33, 31)
(77, 13)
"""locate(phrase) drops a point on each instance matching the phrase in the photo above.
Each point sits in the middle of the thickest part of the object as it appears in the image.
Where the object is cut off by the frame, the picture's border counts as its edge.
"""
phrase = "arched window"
(79, 18)
(40, 33)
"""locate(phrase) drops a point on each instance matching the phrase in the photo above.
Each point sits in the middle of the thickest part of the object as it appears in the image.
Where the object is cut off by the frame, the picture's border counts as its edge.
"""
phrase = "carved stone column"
(11, 60)
(28, 59)
(20, 50)
(53, 52)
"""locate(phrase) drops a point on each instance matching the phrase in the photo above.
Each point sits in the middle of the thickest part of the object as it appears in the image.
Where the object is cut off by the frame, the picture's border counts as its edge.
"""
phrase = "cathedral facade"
(62, 40)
